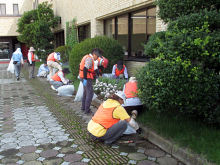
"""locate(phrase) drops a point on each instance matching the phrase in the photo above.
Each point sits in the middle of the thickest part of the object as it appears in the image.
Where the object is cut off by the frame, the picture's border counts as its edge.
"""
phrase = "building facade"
(131, 22)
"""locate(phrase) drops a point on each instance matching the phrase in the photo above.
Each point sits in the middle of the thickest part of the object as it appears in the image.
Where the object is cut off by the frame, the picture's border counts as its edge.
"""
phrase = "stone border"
(184, 155)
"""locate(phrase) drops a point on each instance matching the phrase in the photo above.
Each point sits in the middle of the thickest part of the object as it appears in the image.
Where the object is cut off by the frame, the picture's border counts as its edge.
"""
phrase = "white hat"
(31, 49)
(121, 95)
(132, 79)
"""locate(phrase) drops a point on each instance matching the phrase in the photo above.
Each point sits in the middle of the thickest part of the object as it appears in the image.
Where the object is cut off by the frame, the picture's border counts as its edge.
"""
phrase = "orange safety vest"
(99, 59)
(130, 89)
(51, 57)
(55, 77)
(91, 72)
(104, 117)
(32, 57)
(117, 72)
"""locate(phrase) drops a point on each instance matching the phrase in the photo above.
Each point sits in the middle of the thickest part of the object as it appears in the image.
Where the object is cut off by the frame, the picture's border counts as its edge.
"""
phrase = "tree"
(171, 9)
(35, 28)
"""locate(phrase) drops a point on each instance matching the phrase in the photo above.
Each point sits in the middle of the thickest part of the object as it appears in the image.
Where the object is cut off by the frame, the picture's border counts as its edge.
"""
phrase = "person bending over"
(110, 120)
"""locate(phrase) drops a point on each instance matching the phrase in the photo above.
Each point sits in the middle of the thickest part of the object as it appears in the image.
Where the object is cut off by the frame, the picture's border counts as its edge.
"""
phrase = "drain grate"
(118, 159)
(86, 147)
(92, 154)
(110, 151)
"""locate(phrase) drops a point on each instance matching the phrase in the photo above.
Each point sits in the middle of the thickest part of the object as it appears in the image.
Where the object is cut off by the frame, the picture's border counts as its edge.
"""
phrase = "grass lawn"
(186, 132)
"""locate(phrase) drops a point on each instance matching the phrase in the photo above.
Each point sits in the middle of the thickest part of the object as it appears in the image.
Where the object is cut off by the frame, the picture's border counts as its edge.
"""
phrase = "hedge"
(113, 51)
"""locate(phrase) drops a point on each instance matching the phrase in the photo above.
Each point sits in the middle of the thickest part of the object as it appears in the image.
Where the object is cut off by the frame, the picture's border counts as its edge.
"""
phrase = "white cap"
(121, 95)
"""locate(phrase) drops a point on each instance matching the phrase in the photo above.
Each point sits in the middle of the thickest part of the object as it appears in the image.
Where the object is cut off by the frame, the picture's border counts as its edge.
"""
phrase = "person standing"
(87, 74)
(105, 125)
(119, 70)
(31, 62)
(53, 61)
(18, 62)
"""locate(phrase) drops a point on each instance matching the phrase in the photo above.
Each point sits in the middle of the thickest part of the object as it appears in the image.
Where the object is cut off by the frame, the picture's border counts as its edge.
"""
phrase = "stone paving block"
(68, 150)
(137, 156)
(56, 161)
(49, 153)
(155, 153)
(9, 160)
(73, 158)
(28, 149)
(78, 163)
(29, 156)
(146, 162)
(167, 161)
(33, 163)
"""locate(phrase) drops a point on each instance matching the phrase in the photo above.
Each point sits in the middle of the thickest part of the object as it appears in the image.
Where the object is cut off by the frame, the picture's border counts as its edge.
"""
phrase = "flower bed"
(105, 86)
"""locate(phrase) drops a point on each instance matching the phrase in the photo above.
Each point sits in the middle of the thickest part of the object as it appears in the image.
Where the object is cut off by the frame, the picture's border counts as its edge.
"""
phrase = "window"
(109, 29)
(132, 30)
(15, 9)
(2, 9)
(84, 32)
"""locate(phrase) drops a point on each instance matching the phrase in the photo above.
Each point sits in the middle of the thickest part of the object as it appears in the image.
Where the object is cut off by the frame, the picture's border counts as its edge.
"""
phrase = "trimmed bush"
(194, 20)
(181, 87)
(153, 43)
(171, 10)
(113, 51)
(64, 52)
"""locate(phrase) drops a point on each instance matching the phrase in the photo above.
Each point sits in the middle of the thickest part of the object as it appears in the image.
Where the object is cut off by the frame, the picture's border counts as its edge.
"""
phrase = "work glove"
(139, 130)
(61, 63)
(84, 82)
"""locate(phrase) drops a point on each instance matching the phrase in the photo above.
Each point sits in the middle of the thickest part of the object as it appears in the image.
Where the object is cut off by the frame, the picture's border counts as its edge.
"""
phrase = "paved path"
(39, 127)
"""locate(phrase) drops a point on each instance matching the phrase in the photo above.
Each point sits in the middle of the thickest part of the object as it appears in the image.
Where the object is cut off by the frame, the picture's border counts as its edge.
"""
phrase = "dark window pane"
(15, 9)
(2, 9)
(138, 36)
(110, 27)
(123, 31)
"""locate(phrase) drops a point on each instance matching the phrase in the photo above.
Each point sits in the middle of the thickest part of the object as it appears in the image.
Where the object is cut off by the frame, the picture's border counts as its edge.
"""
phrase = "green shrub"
(171, 10)
(194, 20)
(153, 43)
(180, 86)
(64, 52)
(113, 51)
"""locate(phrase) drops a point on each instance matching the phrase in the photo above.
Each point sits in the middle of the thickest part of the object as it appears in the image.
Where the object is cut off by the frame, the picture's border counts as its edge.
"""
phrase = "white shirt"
(134, 101)
(63, 79)
(125, 71)
(29, 57)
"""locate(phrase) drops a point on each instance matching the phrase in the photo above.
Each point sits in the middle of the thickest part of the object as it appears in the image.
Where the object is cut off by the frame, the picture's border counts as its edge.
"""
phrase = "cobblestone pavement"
(39, 127)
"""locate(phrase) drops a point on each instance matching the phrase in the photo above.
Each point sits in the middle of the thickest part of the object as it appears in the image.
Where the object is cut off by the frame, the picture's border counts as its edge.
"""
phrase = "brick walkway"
(39, 127)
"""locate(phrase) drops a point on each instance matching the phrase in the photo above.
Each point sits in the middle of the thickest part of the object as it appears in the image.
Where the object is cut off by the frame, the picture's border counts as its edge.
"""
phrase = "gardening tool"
(126, 142)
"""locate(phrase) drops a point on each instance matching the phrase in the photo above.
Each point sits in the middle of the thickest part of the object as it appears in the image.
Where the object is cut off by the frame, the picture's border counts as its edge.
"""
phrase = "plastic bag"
(11, 67)
(79, 94)
(65, 90)
(129, 130)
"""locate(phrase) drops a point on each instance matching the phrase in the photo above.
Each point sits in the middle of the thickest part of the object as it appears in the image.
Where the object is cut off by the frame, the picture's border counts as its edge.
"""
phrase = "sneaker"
(53, 87)
(18, 78)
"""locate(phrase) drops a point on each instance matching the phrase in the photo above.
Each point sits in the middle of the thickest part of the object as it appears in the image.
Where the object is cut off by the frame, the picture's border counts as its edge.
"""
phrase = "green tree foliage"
(171, 9)
(113, 51)
(35, 28)
(64, 52)
(185, 75)
(180, 87)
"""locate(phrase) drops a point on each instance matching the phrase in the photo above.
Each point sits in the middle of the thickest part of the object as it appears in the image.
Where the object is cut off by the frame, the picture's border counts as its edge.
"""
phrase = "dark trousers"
(87, 95)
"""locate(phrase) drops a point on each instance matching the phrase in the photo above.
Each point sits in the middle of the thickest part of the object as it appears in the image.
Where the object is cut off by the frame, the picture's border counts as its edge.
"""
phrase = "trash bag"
(11, 67)
(129, 130)
(65, 90)
(79, 94)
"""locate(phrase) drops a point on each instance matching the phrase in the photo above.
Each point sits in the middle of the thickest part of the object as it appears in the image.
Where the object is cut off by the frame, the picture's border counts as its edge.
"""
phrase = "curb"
(184, 155)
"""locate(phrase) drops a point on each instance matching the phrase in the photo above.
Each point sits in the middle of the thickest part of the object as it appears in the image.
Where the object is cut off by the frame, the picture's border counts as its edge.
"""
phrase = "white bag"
(65, 90)
(129, 130)
(11, 67)
(79, 94)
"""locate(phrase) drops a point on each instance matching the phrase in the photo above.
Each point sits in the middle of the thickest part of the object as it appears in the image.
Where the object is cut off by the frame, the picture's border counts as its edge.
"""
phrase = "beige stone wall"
(160, 25)
(9, 22)
(132, 66)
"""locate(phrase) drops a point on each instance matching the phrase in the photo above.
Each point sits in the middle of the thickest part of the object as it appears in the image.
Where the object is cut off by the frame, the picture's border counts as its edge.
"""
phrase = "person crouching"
(105, 125)
(58, 79)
